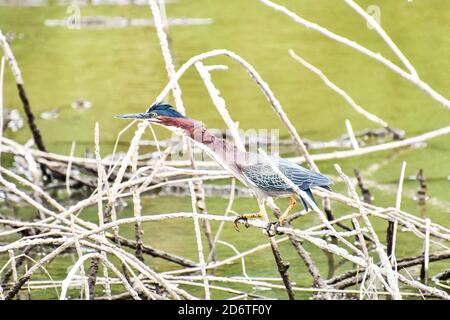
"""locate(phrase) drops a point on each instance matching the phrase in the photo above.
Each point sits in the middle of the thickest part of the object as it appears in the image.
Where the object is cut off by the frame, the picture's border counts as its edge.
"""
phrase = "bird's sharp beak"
(138, 116)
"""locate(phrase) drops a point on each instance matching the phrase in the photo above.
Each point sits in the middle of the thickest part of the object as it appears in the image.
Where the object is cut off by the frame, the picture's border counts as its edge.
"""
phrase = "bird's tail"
(305, 203)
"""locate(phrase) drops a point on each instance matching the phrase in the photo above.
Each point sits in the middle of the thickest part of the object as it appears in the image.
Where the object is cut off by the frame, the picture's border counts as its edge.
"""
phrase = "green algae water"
(121, 70)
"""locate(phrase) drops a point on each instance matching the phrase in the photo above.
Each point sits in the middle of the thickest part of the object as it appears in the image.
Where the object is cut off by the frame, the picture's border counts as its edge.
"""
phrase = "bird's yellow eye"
(153, 114)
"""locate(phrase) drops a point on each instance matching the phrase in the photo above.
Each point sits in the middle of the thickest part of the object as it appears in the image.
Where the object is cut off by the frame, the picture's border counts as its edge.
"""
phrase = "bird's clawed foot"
(244, 217)
(241, 218)
(272, 227)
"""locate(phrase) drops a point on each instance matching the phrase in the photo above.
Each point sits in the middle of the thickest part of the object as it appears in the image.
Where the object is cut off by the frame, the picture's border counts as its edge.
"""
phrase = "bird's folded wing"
(262, 175)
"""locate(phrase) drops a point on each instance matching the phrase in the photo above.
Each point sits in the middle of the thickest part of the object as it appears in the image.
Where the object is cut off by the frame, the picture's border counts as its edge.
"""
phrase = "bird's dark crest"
(165, 109)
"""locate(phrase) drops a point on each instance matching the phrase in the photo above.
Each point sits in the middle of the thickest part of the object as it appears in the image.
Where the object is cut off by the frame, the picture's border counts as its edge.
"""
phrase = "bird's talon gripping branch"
(275, 225)
(245, 218)
(236, 222)
(269, 229)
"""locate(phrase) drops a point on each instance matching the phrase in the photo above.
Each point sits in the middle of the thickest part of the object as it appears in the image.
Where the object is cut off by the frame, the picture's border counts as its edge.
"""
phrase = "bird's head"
(166, 115)
(161, 113)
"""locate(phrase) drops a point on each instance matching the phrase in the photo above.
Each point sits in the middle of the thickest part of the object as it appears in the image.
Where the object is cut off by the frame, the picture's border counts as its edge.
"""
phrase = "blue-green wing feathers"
(266, 179)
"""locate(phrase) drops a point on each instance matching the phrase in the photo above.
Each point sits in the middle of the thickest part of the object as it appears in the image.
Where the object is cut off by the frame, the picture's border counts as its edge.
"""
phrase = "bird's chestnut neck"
(194, 129)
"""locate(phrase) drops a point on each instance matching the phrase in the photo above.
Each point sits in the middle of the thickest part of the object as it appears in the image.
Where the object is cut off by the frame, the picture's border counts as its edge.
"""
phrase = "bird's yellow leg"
(245, 217)
(292, 203)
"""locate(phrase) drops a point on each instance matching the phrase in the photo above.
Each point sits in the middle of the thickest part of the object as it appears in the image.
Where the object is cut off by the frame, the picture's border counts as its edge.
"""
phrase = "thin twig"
(352, 44)
(198, 236)
(341, 92)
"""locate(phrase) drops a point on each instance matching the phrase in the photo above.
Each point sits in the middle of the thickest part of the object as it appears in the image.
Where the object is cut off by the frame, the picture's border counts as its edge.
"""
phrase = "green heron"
(249, 167)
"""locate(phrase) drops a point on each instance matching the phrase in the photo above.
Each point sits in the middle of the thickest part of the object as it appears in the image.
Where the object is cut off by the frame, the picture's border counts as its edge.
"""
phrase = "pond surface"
(121, 70)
